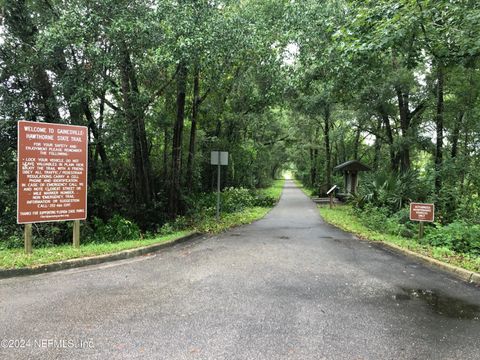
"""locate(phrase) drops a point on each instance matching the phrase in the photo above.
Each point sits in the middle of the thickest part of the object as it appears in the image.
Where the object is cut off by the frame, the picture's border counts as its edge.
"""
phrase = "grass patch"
(344, 218)
(16, 258)
(246, 216)
(227, 221)
(275, 190)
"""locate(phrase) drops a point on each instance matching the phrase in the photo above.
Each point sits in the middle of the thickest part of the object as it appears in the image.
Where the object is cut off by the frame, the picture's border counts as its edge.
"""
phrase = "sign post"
(218, 158)
(76, 233)
(51, 175)
(330, 194)
(422, 213)
(28, 238)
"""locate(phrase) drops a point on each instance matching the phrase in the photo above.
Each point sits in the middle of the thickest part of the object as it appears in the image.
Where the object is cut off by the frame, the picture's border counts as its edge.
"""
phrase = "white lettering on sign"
(52, 172)
(422, 212)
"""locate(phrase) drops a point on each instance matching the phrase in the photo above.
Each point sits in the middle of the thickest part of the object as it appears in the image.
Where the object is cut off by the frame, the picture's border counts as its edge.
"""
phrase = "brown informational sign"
(51, 172)
(422, 212)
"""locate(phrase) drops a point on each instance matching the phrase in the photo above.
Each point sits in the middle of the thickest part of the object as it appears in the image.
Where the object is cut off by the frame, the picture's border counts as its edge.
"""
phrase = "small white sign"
(333, 188)
(223, 158)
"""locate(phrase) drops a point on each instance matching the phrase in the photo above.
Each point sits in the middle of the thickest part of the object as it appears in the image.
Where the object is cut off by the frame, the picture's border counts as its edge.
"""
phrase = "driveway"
(286, 287)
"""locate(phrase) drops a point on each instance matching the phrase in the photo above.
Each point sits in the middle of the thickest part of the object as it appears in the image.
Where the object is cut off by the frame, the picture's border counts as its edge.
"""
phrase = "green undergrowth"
(264, 200)
(203, 222)
(344, 217)
(275, 190)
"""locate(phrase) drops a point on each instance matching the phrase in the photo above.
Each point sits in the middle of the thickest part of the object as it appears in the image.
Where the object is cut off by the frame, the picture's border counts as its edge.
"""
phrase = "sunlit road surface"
(286, 287)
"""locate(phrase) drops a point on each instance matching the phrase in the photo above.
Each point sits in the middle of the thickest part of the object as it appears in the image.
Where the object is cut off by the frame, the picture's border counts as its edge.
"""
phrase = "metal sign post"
(218, 158)
(218, 186)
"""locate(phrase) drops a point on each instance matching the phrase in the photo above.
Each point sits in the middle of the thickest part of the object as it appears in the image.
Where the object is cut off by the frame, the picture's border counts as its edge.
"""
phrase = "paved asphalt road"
(286, 287)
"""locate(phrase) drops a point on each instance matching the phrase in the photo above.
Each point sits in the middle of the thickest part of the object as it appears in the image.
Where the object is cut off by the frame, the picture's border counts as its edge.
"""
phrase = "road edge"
(120, 255)
(469, 276)
(94, 260)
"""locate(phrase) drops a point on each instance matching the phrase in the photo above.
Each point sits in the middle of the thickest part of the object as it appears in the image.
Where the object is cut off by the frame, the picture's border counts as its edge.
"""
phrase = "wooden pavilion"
(350, 171)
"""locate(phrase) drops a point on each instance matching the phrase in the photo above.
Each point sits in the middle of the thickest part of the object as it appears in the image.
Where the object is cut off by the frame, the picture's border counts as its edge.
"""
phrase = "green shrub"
(233, 200)
(236, 199)
(457, 236)
(468, 209)
(201, 203)
(11, 242)
(43, 235)
(166, 229)
(390, 190)
(397, 223)
(115, 229)
(263, 200)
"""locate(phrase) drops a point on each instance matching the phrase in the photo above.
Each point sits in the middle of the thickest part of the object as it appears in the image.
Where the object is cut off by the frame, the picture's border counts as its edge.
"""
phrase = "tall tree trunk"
(143, 187)
(70, 86)
(96, 134)
(313, 166)
(175, 185)
(165, 152)
(193, 129)
(456, 134)
(378, 144)
(466, 157)
(439, 129)
(356, 145)
(404, 153)
(78, 108)
(328, 152)
(48, 101)
(394, 163)
(336, 153)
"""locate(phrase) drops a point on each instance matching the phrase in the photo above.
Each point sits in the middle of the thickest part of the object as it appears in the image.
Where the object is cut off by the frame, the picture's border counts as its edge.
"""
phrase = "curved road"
(286, 287)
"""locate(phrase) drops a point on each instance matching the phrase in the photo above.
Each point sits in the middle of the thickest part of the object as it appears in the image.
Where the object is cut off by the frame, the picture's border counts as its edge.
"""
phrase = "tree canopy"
(300, 85)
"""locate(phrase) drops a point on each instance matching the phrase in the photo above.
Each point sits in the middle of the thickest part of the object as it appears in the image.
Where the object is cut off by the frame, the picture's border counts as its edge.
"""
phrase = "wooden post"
(420, 230)
(331, 200)
(76, 233)
(28, 238)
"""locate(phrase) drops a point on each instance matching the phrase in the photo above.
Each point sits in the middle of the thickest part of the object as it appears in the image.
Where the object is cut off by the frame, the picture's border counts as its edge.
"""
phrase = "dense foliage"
(279, 84)
(159, 84)
(394, 84)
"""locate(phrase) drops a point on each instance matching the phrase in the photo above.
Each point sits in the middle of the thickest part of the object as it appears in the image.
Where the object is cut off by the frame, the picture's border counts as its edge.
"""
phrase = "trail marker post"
(218, 158)
(330, 194)
(422, 213)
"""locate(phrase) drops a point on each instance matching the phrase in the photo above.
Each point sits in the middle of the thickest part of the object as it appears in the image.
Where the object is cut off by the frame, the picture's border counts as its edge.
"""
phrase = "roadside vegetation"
(367, 215)
(240, 206)
(298, 85)
(160, 84)
(393, 84)
(378, 228)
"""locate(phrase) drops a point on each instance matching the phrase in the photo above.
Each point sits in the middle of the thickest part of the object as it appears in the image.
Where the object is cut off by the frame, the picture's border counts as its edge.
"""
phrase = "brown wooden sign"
(51, 172)
(422, 212)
